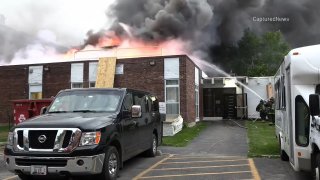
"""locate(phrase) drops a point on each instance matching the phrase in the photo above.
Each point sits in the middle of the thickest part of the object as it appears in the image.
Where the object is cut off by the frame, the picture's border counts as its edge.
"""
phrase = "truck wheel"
(25, 177)
(111, 165)
(152, 152)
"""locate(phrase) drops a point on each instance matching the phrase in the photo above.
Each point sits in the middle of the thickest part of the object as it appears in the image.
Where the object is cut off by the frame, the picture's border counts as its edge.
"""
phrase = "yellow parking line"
(11, 177)
(254, 170)
(200, 167)
(231, 160)
(151, 167)
(196, 174)
(193, 157)
(218, 157)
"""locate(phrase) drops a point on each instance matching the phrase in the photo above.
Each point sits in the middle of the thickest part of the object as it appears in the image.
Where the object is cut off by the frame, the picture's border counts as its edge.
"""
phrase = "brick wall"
(13, 85)
(138, 74)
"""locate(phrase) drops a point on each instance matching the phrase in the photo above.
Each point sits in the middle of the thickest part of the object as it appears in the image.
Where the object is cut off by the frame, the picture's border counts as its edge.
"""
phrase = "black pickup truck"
(85, 132)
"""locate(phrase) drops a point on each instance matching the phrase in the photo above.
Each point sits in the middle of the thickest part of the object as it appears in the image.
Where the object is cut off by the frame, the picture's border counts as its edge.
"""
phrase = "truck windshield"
(86, 101)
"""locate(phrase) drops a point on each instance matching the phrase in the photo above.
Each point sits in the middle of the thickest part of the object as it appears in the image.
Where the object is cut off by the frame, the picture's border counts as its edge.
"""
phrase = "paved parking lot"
(219, 152)
(201, 167)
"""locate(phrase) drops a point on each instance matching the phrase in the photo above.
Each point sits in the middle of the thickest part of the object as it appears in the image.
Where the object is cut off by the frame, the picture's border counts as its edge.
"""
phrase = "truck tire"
(152, 152)
(111, 164)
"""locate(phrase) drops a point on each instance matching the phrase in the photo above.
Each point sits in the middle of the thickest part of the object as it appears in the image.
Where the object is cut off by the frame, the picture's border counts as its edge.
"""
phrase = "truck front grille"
(47, 162)
(48, 142)
(46, 139)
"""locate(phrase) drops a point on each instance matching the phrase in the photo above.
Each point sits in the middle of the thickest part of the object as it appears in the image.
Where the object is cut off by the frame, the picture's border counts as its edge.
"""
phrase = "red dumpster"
(24, 109)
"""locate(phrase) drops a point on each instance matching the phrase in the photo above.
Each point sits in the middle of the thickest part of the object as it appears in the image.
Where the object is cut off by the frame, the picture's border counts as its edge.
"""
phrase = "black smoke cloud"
(202, 23)
(212, 22)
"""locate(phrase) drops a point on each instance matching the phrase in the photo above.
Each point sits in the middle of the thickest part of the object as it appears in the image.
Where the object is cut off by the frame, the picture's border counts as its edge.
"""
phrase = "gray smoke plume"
(202, 23)
(212, 22)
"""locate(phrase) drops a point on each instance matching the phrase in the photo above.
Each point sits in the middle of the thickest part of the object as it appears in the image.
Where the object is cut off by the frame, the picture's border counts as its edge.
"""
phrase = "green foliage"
(253, 55)
(183, 137)
(4, 129)
(262, 140)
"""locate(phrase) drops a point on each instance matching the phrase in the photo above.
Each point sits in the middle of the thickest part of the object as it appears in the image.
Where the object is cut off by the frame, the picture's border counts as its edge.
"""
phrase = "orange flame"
(130, 47)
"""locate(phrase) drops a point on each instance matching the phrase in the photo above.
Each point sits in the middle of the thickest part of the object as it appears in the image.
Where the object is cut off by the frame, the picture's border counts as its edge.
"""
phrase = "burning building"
(174, 79)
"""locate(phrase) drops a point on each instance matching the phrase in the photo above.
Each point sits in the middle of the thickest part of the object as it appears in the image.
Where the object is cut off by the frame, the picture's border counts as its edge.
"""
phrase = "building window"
(35, 82)
(35, 92)
(172, 96)
(76, 85)
(197, 100)
(196, 90)
(76, 75)
(93, 66)
(92, 84)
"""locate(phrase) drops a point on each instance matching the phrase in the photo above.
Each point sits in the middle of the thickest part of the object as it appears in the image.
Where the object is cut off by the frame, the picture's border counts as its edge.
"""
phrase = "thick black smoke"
(212, 22)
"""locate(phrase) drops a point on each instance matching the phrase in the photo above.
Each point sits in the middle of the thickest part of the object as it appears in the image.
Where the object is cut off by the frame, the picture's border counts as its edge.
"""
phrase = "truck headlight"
(10, 138)
(90, 138)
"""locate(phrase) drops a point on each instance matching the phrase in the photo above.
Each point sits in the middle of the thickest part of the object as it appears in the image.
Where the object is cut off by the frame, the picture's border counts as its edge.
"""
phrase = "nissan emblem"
(42, 138)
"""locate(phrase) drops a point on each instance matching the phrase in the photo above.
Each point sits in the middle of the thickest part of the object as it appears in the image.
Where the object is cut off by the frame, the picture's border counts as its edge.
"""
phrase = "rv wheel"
(283, 154)
(316, 169)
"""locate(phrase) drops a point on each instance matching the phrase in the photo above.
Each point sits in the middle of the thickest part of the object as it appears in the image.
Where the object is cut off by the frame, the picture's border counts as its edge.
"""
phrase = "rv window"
(302, 121)
(318, 89)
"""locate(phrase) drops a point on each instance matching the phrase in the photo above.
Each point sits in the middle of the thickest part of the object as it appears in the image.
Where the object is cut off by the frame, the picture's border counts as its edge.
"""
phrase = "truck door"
(129, 128)
(287, 89)
(143, 122)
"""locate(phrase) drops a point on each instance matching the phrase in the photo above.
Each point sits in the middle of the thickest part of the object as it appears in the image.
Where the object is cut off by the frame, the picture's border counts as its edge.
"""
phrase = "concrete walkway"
(220, 137)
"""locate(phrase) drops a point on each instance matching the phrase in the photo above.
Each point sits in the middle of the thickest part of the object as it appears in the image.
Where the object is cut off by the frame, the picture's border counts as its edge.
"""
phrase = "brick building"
(175, 80)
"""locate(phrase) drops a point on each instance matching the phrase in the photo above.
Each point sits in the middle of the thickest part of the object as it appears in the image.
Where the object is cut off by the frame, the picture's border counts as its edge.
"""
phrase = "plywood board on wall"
(106, 72)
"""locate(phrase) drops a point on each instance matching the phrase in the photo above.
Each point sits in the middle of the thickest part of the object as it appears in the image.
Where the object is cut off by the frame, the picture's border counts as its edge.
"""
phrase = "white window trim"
(165, 90)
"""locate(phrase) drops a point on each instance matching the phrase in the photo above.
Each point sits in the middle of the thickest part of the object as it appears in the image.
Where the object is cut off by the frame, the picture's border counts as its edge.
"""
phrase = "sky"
(63, 21)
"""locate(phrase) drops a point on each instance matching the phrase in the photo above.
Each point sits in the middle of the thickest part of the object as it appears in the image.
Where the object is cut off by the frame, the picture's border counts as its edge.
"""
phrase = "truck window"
(302, 120)
(139, 99)
(127, 102)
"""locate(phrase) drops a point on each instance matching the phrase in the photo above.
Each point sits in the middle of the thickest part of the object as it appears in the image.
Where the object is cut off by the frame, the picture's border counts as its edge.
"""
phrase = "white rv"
(297, 131)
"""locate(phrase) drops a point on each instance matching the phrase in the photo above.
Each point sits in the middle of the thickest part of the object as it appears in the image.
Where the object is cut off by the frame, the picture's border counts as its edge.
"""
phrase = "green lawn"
(262, 140)
(4, 129)
(182, 138)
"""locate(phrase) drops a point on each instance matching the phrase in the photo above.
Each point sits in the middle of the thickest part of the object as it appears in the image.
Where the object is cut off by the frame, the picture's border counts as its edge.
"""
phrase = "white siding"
(258, 85)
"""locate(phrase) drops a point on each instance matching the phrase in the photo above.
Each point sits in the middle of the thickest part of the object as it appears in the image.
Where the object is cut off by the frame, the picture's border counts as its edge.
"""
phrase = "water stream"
(216, 68)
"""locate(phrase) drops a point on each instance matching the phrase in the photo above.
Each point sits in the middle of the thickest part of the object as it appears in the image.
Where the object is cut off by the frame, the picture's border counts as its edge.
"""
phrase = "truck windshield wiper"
(84, 111)
(58, 111)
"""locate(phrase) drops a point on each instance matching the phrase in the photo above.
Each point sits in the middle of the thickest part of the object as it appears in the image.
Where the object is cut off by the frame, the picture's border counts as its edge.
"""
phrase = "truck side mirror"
(136, 111)
(43, 110)
(314, 102)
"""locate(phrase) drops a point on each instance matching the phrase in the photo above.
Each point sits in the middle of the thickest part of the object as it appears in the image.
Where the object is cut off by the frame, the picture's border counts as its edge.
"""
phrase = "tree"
(253, 55)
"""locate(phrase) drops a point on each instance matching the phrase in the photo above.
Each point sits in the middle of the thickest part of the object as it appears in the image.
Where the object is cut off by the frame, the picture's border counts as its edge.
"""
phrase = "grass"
(262, 141)
(182, 138)
(4, 129)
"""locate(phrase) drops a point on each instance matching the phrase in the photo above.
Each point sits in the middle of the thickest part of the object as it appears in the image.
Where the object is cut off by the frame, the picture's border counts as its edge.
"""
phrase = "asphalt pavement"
(219, 152)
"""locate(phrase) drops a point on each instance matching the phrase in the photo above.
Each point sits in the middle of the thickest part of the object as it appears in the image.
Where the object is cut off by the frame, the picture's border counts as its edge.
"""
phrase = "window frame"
(172, 86)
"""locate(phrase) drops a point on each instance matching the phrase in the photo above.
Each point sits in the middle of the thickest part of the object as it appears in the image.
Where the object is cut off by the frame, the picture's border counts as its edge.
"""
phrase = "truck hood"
(83, 121)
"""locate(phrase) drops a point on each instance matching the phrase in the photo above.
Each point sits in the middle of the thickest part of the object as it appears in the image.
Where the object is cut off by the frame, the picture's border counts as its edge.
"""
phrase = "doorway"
(220, 102)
